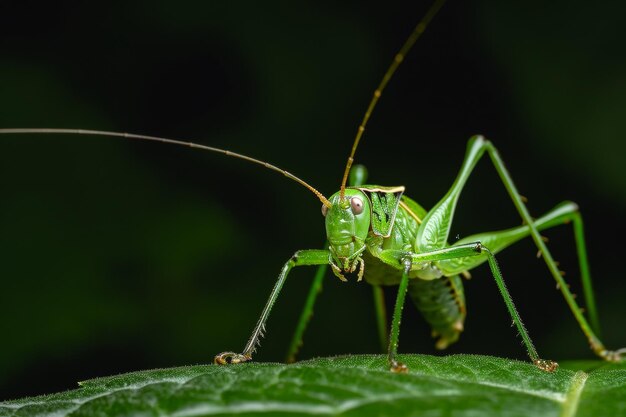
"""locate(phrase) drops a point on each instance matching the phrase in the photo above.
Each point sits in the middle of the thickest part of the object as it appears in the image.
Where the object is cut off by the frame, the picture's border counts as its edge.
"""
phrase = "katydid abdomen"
(442, 303)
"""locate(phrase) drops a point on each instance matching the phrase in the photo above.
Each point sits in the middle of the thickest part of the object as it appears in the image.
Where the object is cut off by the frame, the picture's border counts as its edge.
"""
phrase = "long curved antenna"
(397, 60)
(287, 174)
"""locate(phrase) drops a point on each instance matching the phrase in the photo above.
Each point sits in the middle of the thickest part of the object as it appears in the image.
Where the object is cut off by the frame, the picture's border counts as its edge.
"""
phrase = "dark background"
(118, 256)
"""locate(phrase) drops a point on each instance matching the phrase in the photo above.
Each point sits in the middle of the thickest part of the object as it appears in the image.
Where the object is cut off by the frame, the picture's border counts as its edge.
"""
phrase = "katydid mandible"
(386, 238)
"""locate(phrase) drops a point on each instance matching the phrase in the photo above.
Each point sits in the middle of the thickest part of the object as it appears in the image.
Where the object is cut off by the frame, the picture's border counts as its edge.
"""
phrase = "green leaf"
(459, 385)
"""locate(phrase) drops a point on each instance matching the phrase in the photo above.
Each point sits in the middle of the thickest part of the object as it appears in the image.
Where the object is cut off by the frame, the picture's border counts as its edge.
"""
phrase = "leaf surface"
(459, 385)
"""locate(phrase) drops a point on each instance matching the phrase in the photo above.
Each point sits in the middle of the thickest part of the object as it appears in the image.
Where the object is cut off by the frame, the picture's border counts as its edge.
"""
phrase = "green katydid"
(388, 239)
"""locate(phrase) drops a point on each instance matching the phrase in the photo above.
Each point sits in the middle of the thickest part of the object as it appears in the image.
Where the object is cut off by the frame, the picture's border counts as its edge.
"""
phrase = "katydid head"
(347, 227)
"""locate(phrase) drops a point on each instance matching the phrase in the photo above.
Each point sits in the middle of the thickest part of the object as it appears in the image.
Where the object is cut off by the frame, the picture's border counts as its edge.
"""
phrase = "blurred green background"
(119, 256)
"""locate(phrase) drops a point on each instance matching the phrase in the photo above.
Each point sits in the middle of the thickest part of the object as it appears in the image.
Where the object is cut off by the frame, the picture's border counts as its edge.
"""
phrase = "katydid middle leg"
(408, 261)
(442, 301)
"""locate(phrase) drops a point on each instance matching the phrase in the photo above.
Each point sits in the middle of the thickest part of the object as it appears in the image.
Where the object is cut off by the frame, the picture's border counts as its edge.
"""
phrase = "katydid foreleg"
(300, 258)
(358, 177)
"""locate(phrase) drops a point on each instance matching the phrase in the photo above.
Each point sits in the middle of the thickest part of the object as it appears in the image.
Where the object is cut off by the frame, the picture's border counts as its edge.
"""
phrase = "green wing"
(384, 203)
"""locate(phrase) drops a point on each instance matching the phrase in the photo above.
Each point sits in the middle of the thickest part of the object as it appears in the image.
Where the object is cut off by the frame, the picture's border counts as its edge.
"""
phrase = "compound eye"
(357, 205)
(324, 210)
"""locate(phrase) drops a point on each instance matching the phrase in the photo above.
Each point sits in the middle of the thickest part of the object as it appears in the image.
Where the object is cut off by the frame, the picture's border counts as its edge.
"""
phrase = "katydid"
(386, 238)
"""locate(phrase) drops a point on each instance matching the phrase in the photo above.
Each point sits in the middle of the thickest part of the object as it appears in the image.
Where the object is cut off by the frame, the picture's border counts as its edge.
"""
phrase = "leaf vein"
(572, 397)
